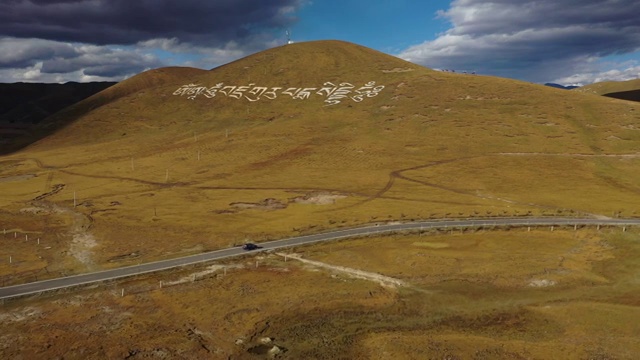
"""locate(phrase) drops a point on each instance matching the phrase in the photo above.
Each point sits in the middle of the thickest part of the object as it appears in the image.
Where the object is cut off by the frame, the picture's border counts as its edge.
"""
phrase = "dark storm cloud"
(16, 53)
(101, 22)
(46, 60)
(58, 40)
(532, 40)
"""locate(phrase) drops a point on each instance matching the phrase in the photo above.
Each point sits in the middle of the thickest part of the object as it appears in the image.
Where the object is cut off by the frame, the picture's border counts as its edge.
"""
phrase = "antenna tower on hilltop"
(289, 41)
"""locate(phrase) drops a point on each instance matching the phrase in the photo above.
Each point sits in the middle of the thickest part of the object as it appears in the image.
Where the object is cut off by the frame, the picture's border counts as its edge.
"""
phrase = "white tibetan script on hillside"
(334, 93)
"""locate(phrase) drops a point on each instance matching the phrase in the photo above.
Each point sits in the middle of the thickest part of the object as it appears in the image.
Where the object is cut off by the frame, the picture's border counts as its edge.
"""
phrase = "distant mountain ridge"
(558, 86)
(24, 106)
(30, 103)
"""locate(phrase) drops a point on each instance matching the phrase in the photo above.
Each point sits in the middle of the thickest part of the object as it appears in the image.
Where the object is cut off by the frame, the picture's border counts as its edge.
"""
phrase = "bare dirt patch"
(431, 245)
(81, 246)
(541, 283)
(266, 204)
(82, 240)
(318, 199)
(270, 204)
(21, 314)
(35, 210)
(396, 70)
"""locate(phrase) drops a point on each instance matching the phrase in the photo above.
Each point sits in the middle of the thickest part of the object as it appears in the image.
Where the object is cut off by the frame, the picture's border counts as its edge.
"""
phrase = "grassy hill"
(429, 144)
(623, 90)
(140, 172)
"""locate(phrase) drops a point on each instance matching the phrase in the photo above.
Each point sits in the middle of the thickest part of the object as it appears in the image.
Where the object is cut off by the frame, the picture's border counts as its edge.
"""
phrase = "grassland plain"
(135, 174)
(513, 294)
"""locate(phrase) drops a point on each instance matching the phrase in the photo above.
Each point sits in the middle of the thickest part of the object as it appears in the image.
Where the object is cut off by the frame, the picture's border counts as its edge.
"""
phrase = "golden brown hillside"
(316, 135)
(149, 96)
(413, 96)
(310, 137)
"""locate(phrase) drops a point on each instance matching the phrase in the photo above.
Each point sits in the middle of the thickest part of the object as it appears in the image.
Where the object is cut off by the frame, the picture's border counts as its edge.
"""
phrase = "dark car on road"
(250, 246)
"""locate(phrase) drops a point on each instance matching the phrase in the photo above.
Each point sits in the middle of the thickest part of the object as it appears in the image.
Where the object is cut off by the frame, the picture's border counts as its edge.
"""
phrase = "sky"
(562, 41)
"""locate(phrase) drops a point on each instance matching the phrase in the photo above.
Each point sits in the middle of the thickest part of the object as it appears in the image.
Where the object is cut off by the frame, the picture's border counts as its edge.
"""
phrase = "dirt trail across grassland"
(190, 184)
(399, 174)
(82, 240)
(385, 281)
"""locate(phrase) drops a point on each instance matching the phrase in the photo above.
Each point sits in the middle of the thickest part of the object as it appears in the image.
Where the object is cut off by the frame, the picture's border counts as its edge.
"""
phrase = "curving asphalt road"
(88, 278)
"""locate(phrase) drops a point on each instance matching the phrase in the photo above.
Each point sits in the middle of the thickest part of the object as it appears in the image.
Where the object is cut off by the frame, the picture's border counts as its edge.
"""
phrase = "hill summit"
(323, 73)
(315, 82)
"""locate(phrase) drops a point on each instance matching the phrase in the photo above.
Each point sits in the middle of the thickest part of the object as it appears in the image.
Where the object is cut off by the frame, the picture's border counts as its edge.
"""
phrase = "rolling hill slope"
(623, 90)
(307, 137)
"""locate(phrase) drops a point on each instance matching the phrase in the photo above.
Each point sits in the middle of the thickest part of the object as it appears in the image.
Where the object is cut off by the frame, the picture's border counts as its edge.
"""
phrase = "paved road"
(88, 278)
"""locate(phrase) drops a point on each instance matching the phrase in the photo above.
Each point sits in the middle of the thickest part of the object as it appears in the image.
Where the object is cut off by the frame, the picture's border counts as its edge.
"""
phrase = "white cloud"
(33, 72)
(620, 73)
(209, 57)
(536, 40)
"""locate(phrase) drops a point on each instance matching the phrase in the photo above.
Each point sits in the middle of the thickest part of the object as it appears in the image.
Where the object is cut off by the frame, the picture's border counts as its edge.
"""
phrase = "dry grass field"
(136, 174)
(475, 295)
